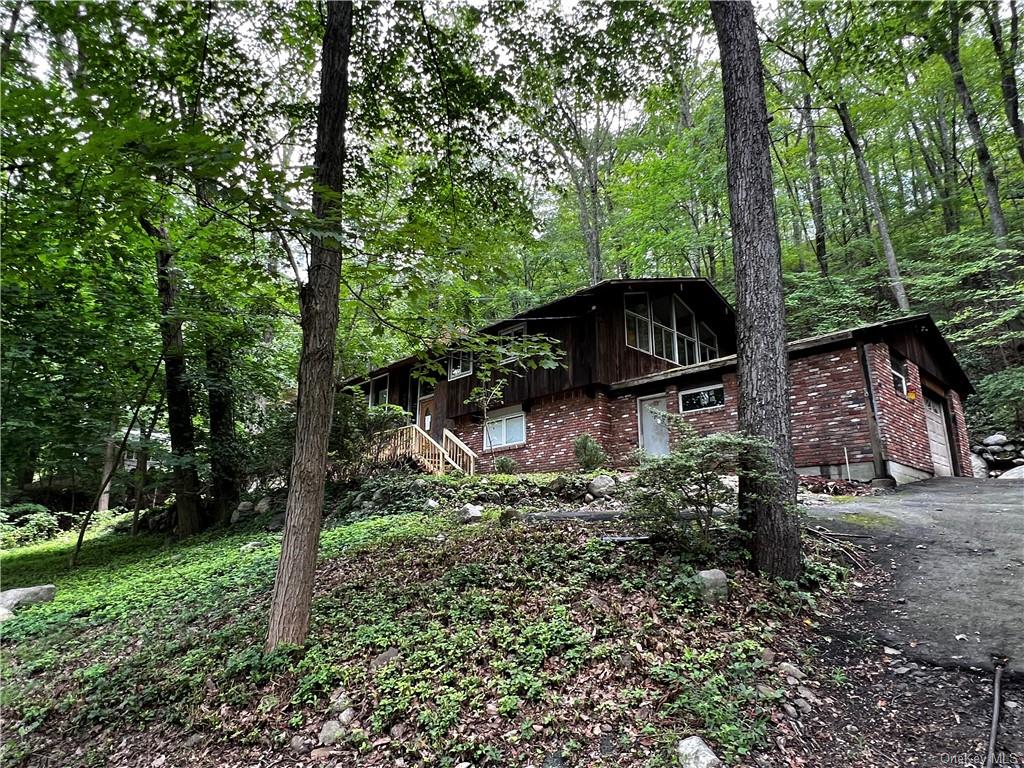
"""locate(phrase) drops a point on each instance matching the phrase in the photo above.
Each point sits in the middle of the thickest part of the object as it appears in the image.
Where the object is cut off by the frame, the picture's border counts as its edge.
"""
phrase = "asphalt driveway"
(956, 549)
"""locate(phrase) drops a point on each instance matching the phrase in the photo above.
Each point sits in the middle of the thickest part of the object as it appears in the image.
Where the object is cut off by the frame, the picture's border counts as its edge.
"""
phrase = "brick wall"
(901, 421)
(829, 410)
(961, 448)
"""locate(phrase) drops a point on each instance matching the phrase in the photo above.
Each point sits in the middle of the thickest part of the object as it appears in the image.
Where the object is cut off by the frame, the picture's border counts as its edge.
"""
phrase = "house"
(876, 401)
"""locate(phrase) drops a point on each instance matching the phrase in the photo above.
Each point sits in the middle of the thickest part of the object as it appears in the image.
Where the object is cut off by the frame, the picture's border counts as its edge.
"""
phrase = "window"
(638, 322)
(379, 390)
(515, 333)
(459, 364)
(699, 399)
(667, 328)
(504, 428)
(899, 373)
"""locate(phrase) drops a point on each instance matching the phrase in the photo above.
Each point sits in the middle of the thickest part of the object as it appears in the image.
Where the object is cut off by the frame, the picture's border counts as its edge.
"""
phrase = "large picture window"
(505, 428)
(702, 398)
(514, 334)
(667, 328)
(379, 390)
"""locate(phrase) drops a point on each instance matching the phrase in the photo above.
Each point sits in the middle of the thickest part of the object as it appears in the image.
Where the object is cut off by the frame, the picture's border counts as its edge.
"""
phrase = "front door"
(425, 413)
(938, 437)
(654, 425)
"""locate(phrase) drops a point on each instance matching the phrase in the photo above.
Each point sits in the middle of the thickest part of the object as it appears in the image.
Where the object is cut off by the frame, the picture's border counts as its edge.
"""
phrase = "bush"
(689, 479)
(25, 524)
(505, 465)
(589, 454)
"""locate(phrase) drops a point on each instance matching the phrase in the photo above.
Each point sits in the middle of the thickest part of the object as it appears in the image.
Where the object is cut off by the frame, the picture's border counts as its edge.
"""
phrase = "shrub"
(25, 524)
(687, 485)
(589, 454)
(505, 465)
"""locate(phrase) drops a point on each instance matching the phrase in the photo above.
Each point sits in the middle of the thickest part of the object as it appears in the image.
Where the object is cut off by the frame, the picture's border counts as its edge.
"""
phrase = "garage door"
(938, 438)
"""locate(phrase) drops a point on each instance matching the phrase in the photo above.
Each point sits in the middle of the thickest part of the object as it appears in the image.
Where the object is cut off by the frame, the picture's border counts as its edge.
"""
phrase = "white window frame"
(700, 389)
(387, 390)
(902, 389)
(464, 357)
(627, 314)
(503, 416)
(520, 328)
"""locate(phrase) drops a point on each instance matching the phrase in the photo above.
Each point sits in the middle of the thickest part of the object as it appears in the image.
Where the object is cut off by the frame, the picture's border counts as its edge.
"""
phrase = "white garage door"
(938, 438)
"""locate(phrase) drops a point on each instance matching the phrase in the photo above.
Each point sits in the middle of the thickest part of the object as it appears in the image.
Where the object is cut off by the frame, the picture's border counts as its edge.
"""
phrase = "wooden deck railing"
(461, 455)
(412, 442)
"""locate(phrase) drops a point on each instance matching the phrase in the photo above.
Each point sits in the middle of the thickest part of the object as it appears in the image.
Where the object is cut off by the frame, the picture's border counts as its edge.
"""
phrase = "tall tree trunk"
(939, 179)
(293, 585)
(767, 503)
(1007, 56)
(179, 395)
(225, 481)
(881, 223)
(109, 451)
(142, 465)
(951, 53)
(817, 210)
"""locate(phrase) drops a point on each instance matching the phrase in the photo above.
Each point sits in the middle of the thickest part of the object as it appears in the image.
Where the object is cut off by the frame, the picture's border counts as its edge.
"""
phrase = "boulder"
(601, 486)
(996, 439)
(471, 513)
(331, 733)
(252, 546)
(694, 753)
(243, 511)
(558, 485)
(1017, 473)
(791, 671)
(12, 598)
(432, 504)
(5, 614)
(714, 585)
(387, 656)
(979, 466)
(276, 523)
(263, 505)
(347, 716)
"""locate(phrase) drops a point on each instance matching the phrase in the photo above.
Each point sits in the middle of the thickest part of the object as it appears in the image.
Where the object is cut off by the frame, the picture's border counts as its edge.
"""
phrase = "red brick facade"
(829, 403)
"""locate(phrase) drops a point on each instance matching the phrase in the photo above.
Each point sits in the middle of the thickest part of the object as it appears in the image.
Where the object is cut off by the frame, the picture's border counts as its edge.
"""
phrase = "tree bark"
(767, 503)
(142, 465)
(871, 193)
(225, 481)
(178, 393)
(817, 210)
(951, 54)
(293, 585)
(1007, 56)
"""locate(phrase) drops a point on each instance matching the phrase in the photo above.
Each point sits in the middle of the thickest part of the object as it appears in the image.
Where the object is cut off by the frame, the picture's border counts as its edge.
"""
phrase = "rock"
(387, 656)
(263, 505)
(901, 670)
(806, 693)
(766, 691)
(790, 711)
(276, 523)
(767, 656)
(1017, 473)
(997, 439)
(378, 495)
(432, 504)
(252, 546)
(692, 752)
(347, 716)
(12, 598)
(553, 760)
(557, 486)
(1009, 448)
(339, 700)
(802, 705)
(5, 614)
(791, 671)
(471, 513)
(300, 744)
(714, 585)
(242, 512)
(979, 467)
(601, 486)
(331, 733)
(397, 731)
(589, 498)
(321, 753)
(891, 651)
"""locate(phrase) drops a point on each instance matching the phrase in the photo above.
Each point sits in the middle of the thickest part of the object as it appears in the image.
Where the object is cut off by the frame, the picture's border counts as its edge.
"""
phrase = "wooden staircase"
(411, 442)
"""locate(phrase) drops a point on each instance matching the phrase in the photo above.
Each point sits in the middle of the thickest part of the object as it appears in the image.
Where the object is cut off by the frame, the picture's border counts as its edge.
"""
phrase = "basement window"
(505, 428)
(702, 398)
(899, 373)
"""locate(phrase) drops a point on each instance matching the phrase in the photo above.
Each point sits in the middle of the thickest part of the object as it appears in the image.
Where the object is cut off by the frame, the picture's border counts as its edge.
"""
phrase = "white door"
(654, 425)
(938, 438)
